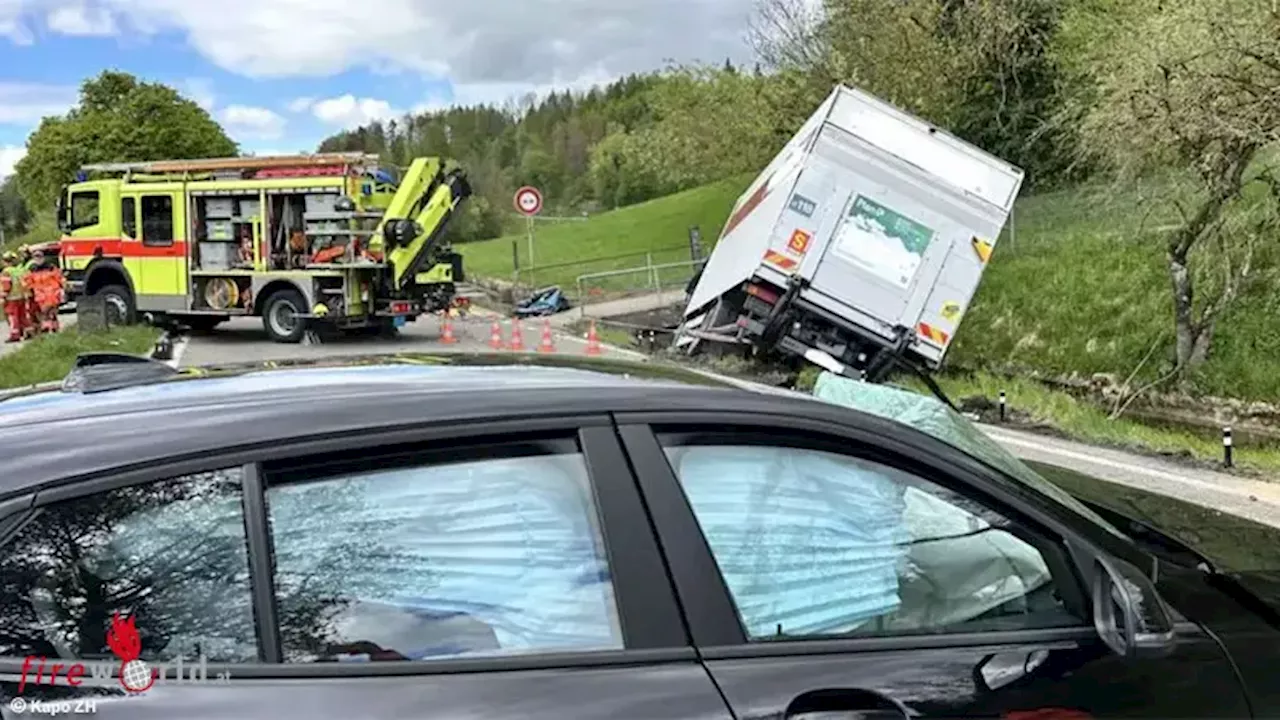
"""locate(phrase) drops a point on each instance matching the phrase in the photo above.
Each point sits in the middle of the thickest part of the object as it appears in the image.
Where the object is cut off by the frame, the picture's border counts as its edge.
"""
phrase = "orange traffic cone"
(495, 336)
(547, 344)
(446, 335)
(517, 337)
(593, 341)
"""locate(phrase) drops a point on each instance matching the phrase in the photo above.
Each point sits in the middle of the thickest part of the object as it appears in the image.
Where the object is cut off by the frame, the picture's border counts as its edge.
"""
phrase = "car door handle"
(845, 704)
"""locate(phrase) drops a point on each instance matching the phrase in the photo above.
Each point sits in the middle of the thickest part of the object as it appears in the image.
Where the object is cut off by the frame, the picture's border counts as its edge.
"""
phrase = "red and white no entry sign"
(528, 200)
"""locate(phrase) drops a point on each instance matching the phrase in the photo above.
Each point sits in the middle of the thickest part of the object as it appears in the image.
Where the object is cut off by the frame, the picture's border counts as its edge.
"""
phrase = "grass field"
(1082, 288)
(658, 227)
(49, 357)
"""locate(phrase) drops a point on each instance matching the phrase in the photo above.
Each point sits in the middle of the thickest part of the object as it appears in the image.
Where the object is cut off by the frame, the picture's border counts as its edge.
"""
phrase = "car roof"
(52, 434)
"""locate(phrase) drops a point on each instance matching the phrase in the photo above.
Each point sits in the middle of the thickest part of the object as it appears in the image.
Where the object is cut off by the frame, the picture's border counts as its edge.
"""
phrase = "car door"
(497, 571)
(832, 569)
(162, 253)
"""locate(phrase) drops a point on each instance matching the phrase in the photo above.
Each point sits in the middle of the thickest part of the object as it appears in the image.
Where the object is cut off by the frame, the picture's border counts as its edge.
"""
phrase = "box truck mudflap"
(861, 244)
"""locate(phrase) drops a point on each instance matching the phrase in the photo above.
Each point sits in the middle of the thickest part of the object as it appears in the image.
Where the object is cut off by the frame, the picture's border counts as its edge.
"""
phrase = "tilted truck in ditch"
(859, 247)
(301, 241)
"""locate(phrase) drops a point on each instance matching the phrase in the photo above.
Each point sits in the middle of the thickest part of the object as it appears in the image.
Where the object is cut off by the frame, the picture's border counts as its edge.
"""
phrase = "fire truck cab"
(297, 240)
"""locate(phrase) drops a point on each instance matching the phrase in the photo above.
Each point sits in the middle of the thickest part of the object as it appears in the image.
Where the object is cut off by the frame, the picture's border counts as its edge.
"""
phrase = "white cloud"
(244, 121)
(502, 94)
(199, 91)
(350, 111)
(301, 104)
(497, 41)
(12, 25)
(24, 103)
(9, 156)
(81, 19)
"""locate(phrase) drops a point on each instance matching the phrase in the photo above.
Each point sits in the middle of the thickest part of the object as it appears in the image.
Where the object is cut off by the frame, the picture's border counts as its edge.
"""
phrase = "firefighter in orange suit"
(14, 293)
(45, 283)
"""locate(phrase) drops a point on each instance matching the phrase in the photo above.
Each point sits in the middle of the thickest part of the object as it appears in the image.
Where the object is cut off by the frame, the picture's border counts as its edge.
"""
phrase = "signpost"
(695, 243)
(528, 202)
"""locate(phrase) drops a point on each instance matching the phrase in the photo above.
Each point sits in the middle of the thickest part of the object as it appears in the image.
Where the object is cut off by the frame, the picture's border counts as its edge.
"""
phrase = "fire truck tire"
(280, 316)
(118, 304)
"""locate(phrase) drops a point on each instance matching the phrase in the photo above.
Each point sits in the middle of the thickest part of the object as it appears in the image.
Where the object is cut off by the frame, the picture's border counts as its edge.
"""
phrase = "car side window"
(129, 216)
(489, 552)
(157, 220)
(170, 555)
(84, 209)
(815, 543)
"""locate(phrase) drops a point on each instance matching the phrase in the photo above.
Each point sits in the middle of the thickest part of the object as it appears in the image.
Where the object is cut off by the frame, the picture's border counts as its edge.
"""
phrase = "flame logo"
(122, 638)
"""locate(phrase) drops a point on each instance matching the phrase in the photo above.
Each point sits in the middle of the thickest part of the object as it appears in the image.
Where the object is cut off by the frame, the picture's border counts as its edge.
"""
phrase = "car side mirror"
(1128, 613)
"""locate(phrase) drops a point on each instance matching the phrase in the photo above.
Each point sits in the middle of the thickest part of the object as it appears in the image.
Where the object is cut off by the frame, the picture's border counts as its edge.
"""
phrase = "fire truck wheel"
(118, 304)
(280, 316)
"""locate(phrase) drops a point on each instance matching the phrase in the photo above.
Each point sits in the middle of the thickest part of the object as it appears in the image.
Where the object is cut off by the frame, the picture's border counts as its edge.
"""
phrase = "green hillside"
(659, 227)
(1082, 287)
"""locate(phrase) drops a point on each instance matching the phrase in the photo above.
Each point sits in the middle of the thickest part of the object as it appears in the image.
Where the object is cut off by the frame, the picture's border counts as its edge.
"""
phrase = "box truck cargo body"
(863, 241)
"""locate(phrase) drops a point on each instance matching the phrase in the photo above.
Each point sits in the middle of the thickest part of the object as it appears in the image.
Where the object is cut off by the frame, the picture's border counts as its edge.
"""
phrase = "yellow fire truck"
(297, 240)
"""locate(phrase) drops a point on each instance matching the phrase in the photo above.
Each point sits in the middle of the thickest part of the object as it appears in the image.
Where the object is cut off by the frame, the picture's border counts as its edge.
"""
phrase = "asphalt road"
(243, 340)
(1256, 500)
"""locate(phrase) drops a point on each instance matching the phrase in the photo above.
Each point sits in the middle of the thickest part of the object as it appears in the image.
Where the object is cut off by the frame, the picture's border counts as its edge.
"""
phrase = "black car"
(515, 537)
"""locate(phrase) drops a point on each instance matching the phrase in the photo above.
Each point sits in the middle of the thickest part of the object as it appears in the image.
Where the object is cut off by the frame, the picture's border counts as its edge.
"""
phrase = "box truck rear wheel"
(281, 318)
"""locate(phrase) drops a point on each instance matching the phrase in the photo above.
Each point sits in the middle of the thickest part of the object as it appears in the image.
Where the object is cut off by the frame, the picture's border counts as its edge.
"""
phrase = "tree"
(118, 119)
(14, 215)
(788, 35)
(1189, 84)
(1013, 87)
(980, 68)
(709, 124)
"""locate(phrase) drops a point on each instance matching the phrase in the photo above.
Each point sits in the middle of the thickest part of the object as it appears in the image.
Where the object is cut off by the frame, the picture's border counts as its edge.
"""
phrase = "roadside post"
(695, 243)
(528, 202)
(1226, 447)
(91, 313)
(1003, 403)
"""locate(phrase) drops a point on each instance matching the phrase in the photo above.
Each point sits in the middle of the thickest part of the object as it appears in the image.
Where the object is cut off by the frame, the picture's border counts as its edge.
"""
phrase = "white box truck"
(860, 244)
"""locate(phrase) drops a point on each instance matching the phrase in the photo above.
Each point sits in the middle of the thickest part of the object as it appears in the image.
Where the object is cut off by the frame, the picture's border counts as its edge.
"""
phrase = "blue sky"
(280, 75)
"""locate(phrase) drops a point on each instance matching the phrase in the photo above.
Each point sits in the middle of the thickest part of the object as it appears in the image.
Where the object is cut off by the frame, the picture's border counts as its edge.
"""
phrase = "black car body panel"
(1239, 599)
(686, 653)
(658, 689)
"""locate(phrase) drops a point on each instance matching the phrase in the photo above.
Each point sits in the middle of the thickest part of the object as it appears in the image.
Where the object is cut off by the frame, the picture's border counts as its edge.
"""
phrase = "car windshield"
(932, 417)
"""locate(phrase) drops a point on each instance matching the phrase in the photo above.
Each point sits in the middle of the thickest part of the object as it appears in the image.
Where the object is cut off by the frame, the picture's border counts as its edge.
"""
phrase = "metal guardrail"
(533, 270)
(653, 280)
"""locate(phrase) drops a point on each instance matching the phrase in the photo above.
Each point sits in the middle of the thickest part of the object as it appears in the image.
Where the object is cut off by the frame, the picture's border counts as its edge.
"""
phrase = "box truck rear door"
(881, 246)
